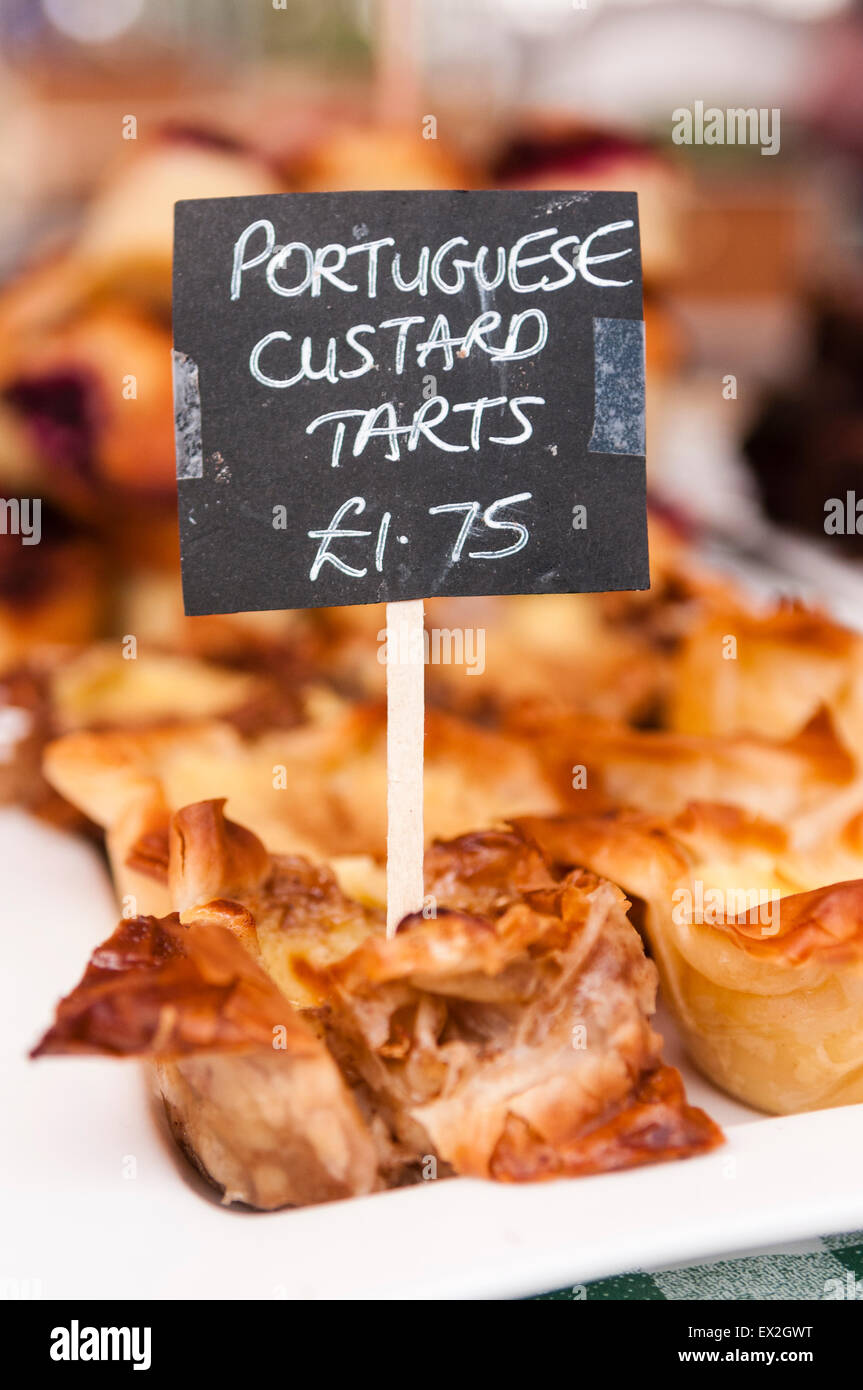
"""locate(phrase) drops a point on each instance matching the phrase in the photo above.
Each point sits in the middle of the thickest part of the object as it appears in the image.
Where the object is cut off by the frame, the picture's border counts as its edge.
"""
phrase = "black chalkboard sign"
(384, 396)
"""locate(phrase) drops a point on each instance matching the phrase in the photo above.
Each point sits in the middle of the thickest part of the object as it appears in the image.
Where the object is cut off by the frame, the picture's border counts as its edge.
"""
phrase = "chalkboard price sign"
(388, 396)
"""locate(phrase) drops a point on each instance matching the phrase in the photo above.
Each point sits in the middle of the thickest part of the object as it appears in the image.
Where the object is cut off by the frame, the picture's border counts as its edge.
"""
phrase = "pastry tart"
(768, 674)
(318, 789)
(302, 1056)
(599, 764)
(110, 686)
(760, 952)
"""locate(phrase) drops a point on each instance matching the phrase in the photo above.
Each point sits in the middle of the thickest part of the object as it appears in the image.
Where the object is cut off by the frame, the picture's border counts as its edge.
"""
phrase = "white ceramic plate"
(96, 1202)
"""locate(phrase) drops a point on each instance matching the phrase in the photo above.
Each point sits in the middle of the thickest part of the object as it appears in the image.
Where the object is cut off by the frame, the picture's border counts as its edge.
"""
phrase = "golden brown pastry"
(114, 685)
(761, 965)
(808, 781)
(318, 789)
(516, 1041)
(253, 1096)
(507, 1037)
(769, 674)
(554, 650)
(300, 915)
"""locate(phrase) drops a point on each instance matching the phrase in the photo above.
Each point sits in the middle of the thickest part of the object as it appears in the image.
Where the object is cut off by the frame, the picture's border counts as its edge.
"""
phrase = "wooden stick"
(405, 735)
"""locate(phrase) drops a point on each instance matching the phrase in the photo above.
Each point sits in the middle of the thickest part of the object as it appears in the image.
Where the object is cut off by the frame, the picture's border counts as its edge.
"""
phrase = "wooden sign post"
(382, 397)
(405, 726)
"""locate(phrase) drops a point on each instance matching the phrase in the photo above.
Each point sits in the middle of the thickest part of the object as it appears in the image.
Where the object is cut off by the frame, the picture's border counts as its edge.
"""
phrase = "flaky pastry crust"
(252, 1094)
(809, 782)
(507, 1036)
(762, 969)
(318, 789)
(785, 666)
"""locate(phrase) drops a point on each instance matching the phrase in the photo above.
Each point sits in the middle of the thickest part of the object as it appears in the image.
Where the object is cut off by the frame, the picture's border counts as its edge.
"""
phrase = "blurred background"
(112, 109)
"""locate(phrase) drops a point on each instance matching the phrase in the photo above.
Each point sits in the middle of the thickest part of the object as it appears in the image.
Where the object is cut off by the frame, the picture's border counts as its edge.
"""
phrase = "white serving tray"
(97, 1203)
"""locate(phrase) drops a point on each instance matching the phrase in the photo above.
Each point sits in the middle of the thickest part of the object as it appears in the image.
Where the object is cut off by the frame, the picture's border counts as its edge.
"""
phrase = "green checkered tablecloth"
(829, 1267)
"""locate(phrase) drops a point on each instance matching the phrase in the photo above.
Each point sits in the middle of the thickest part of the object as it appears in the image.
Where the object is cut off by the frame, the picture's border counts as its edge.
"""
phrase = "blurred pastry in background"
(54, 594)
(805, 447)
(556, 156)
(739, 670)
(126, 240)
(560, 157)
(86, 411)
(375, 157)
